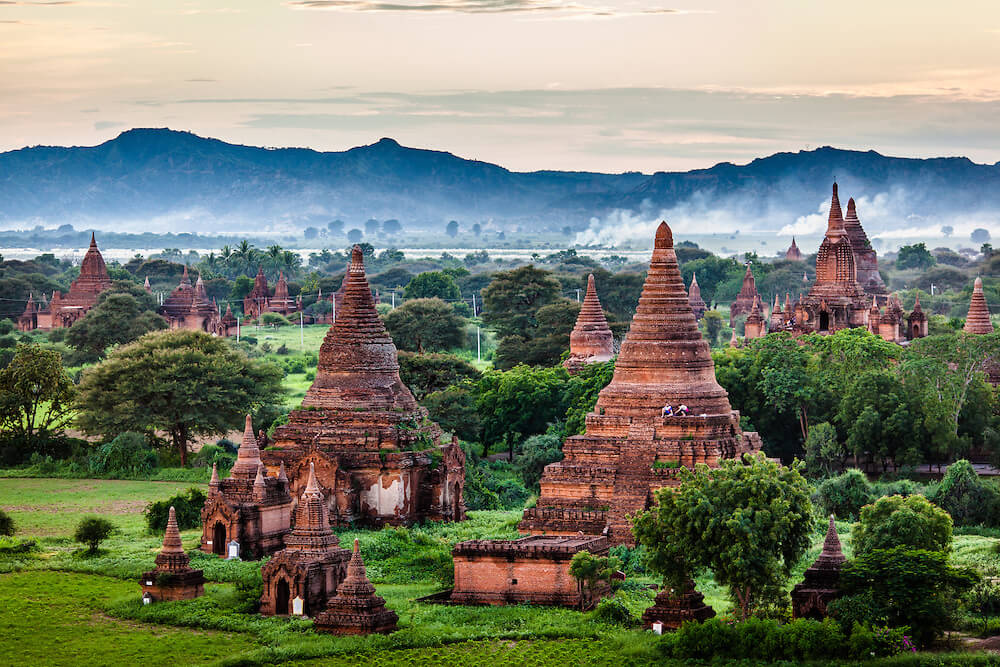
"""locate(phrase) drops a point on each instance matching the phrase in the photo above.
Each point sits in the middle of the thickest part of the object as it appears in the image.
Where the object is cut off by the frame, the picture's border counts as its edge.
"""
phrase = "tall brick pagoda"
(173, 578)
(65, 309)
(744, 300)
(356, 609)
(865, 259)
(978, 319)
(249, 507)
(629, 449)
(378, 458)
(310, 566)
(917, 321)
(819, 587)
(591, 340)
(698, 306)
(255, 303)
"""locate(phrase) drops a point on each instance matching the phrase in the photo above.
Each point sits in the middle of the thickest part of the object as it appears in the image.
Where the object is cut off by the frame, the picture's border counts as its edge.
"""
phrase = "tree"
(185, 383)
(93, 530)
(711, 323)
(824, 452)
(335, 227)
(547, 341)
(454, 409)
(590, 571)
(966, 497)
(121, 315)
(979, 235)
(355, 235)
(785, 381)
(537, 452)
(845, 494)
(896, 521)
(432, 284)
(36, 394)
(748, 521)
(451, 229)
(513, 298)
(520, 402)
(425, 325)
(426, 373)
(391, 227)
(915, 256)
(877, 414)
(582, 391)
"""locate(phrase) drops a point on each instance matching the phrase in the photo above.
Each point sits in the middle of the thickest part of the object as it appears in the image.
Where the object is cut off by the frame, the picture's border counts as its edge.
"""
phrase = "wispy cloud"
(551, 8)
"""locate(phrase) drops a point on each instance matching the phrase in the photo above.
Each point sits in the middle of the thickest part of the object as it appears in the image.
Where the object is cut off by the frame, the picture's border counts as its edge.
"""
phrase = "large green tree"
(897, 521)
(121, 315)
(36, 394)
(432, 284)
(747, 521)
(426, 373)
(425, 325)
(185, 383)
(520, 402)
(513, 298)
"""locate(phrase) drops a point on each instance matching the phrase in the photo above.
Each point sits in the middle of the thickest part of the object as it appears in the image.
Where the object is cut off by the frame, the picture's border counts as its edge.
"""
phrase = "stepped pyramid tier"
(793, 253)
(312, 563)
(65, 309)
(698, 306)
(377, 456)
(916, 323)
(591, 339)
(630, 449)
(744, 300)
(865, 258)
(173, 578)
(978, 319)
(835, 301)
(819, 585)
(356, 609)
(249, 508)
(672, 608)
(189, 308)
(754, 326)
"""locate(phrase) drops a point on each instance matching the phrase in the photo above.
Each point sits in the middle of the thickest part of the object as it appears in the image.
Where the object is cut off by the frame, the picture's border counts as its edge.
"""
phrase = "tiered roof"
(356, 609)
(591, 339)
(978, 319)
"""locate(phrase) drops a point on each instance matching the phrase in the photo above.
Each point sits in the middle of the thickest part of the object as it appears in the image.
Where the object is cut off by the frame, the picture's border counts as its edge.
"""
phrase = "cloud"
(107, 124)
(201, 80)
(549, 8)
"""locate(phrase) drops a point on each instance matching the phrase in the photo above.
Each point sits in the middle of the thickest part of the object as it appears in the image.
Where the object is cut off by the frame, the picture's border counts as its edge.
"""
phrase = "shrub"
(210, 454)
(275, 319)
(895, 521)
(187, 505)
(537, 452)
(613, 611)
(7, 526)
(966, 497)
(93, 530)
(128, 454)
(845, 494)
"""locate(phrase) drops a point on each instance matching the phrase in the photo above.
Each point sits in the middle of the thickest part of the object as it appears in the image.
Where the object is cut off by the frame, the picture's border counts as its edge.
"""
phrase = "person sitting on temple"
(668, 410)
(683, 410)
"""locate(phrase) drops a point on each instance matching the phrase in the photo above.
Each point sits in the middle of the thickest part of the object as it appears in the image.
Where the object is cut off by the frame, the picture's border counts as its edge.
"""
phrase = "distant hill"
(165, 180)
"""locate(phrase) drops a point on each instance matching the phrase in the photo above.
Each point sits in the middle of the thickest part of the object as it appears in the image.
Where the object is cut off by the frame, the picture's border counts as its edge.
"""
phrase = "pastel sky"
(609, 85)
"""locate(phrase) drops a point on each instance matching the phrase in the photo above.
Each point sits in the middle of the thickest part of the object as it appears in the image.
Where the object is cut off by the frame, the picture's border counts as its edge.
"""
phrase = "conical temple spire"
(312, 519)
(591, 337)
(694, 297)
(248, 457)
(835, 221)
(93, 240)
(172, 557)
(978, 319)
(832, 554)
(185, 280)
(214, 482)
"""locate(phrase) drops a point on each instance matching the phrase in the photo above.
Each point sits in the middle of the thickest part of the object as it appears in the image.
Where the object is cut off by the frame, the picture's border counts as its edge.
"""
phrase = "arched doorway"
(824, 321)
(219, 539)
(281, 598)
(916, 330)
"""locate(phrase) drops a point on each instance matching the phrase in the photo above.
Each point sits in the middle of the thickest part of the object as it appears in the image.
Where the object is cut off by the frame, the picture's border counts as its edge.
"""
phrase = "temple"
(247, 509)
(633, 446)
(978, 319)
(793, 253)
(744, 300)
(698, 306)
(189, 308)
(819, 587)
(865, 259)
(356, 609)
(172, 578)
(591, 340)
(755, 325)
(671, 608)
(65, 309)
(303, 576)
(260, 300)
(378, 458)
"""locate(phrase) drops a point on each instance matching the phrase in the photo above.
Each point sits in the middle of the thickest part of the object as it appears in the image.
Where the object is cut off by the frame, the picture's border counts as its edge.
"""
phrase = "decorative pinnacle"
(312, 488)
(259, 480)
(172, 536)
(93, 240)
(215, 476)
(664, 237)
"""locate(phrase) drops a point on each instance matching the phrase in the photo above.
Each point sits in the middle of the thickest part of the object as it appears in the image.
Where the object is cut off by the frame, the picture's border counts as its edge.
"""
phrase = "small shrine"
(591, 340)
(755, 326)
(671, 609)
(819, 586)
(356, 609)
(248, 508)
(302, 577)
(978, 320)
(172, 578)
(698, 306)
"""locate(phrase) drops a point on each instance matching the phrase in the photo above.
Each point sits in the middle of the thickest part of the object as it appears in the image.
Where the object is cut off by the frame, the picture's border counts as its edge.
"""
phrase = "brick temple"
(65, 309)
(303, 576)
(793, 253)
(533, 570)
(744, 300)
(698, 306)
(248, 507)
(591, 340)
(260, 300)
(630, 449)
(978, 319)
(188, 307)
(173, 578)
(819, 586)
(356, 609)
(378, 458)
(671, 608)
(865, 258)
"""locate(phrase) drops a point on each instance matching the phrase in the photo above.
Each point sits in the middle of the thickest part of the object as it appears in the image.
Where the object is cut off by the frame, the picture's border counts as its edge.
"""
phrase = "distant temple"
(189, 308)
(64, 310)
(378, 458)
(744, 300)
(793, 253)
(259, 300)
(591, 339)
(173, 578)
(978, 319)
(698, 306)
(638, 435)
(865, 259)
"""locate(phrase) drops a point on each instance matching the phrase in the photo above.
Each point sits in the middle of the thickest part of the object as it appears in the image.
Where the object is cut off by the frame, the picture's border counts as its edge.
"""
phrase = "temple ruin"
(819, 586)
(172, 578)
(633, 446)
(378, 458)
(356, 609)
(188, 307)
(591, 339)
(865, 259)
(745, 298)
(672, 608)
(65, 309)
(698, 306)
(260, 300)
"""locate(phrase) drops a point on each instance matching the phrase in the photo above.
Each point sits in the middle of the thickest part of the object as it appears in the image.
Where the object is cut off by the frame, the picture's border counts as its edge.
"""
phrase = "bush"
(127, 454)
(7, 525)
(93, 530)
(214, 454)
(845, 494)
(275, 319)
(966, 497)
(755, 639)
(895, 521)
(537, 452)
(613, 612)
(187, 506)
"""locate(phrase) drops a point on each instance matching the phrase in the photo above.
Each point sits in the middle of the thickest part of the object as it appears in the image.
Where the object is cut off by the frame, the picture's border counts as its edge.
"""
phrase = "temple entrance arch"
(219, 539)
(824, 321)
(281, 599)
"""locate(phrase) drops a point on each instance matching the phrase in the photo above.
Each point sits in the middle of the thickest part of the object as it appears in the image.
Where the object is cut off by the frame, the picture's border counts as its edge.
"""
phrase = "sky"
(604, 85)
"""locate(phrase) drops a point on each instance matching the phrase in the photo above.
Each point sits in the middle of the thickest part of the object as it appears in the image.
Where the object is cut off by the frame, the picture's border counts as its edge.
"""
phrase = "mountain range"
(167, 180)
